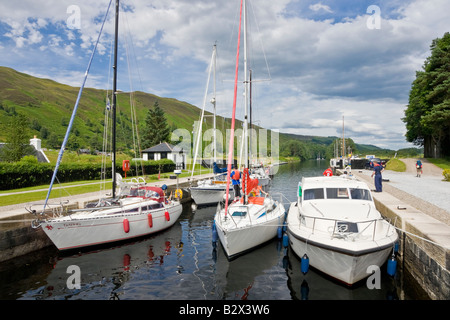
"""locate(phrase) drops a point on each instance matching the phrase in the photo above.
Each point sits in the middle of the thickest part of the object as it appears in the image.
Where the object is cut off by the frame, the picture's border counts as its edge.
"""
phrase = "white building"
(165, 150)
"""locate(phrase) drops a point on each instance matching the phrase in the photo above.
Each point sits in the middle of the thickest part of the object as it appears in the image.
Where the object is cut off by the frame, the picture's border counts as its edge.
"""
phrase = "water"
(183, 263)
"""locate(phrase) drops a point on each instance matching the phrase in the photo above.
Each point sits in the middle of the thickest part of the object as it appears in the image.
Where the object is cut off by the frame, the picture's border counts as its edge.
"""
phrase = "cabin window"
(360, 194)
(155, 206)
(239, 213)
(337, 193)
(311, 194)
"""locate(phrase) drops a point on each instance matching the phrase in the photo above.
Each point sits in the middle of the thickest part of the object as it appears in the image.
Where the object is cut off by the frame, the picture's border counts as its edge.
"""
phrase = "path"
(429, 193)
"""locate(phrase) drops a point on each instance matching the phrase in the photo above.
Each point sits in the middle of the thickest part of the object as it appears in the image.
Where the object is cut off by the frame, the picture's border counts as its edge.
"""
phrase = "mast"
(250, 132)
(246, 160)
(74, 112)
(343, 141)
(233, 116)
(213, 101)
(114, 101)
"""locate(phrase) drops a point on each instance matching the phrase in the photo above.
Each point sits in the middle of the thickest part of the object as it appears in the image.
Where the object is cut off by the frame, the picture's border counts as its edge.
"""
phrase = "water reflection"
(183, 263)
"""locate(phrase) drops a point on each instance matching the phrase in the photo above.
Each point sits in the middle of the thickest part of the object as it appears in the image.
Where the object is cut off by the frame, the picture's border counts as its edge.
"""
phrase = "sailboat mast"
(114, 101)
(343, 140)
(246, 160)
(214, 106)
(244, 8)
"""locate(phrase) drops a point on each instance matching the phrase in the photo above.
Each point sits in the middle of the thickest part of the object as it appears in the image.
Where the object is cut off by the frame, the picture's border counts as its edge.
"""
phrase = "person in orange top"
(236, 176)
(328, 172)
(258, 191)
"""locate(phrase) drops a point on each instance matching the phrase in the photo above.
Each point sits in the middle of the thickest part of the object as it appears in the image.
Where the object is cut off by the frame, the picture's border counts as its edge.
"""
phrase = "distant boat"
(137, 210)
(335, 223)
(252, 220)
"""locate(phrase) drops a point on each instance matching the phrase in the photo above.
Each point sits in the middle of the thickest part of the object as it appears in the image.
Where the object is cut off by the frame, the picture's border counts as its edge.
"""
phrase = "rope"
(421, 238)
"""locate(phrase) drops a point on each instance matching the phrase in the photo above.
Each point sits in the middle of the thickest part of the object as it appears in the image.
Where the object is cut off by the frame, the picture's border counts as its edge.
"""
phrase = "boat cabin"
(336, 188)
(147, 192)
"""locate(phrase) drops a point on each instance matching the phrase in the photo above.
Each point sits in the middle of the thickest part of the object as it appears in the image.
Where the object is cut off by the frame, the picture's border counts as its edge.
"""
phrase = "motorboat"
(336, 224)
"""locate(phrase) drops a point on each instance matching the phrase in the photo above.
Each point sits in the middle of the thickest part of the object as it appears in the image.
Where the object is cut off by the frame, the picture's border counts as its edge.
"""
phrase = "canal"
(183, 263)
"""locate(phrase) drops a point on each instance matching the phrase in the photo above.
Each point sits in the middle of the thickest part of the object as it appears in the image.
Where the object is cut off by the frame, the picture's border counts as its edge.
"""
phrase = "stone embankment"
(420, 209)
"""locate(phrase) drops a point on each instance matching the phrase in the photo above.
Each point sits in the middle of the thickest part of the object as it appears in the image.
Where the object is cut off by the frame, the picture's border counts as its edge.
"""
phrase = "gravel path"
(429, 193)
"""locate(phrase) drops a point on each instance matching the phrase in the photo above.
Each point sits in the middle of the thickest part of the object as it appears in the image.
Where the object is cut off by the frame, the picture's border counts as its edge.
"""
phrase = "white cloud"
(319, 6)
(320, 69)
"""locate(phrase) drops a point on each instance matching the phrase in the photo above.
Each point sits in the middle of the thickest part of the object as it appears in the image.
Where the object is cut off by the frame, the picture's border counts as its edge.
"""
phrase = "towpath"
(19, 209)
(429, 193)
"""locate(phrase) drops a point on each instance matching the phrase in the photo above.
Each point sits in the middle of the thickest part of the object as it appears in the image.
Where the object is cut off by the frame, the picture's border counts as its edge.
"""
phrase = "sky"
(313, 61)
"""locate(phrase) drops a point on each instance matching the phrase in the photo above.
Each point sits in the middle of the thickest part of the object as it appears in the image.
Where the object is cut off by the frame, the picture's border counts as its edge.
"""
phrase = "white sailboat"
(252, 220)
(137, 210)
(210, 191)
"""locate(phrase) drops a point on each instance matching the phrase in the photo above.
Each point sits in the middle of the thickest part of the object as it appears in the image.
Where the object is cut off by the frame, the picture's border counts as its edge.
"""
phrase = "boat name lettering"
(71, 224)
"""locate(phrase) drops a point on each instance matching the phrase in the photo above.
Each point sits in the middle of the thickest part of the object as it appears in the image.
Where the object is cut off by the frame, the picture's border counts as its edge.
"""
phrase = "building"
(165, 150)
(36, 151)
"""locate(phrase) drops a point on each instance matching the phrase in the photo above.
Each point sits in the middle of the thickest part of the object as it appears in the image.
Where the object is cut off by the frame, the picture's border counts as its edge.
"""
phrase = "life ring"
(179, 193)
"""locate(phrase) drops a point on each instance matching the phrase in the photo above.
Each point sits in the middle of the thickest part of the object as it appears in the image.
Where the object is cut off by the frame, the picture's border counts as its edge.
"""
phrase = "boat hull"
(346, 267)
(209, 195)
(343, 259)
(78, 231)
(239, 240)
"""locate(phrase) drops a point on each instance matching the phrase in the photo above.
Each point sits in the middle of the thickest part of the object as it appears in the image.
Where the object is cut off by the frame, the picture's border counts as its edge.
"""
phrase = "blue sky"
(325, 58)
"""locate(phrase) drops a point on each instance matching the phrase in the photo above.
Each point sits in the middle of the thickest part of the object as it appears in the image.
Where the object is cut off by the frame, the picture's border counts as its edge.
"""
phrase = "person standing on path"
(377, 170)
(419, 168)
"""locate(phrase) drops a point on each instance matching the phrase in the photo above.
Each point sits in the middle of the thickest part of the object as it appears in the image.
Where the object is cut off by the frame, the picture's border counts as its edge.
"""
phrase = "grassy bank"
(36, 194)
(396, 165)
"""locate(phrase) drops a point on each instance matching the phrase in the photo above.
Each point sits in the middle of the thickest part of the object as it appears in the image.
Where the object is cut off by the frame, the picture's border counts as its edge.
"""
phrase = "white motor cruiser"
(335, 223)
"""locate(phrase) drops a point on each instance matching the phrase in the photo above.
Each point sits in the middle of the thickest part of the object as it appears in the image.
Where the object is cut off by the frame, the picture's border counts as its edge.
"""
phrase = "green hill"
(48, 105)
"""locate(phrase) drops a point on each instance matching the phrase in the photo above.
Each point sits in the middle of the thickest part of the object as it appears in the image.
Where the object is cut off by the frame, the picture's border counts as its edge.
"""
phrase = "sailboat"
(137, 209)
(210, 191)
(252, 220)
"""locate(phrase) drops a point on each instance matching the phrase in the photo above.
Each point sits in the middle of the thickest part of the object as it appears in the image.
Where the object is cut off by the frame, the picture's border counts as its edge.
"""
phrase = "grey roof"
(164, 147)
(39, 154)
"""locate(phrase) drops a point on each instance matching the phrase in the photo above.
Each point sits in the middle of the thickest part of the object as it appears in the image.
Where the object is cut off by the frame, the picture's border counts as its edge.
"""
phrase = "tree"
(17, 139)
(427, 116)
(156, 128)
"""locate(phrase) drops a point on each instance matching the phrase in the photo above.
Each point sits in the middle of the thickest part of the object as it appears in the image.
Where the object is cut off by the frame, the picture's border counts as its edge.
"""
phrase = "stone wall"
(424, 240)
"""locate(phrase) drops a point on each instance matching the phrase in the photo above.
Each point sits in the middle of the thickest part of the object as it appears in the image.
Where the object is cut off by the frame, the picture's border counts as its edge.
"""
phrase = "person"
(377, 170)
(258, 191)
(235, 176)
(419, 168)
(328, 172)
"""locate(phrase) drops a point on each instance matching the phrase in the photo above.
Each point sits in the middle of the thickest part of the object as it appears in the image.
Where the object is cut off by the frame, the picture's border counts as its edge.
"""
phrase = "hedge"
(23, 174)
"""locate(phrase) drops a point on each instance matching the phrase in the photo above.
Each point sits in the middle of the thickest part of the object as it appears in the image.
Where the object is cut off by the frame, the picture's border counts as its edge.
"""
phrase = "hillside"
(48, 105)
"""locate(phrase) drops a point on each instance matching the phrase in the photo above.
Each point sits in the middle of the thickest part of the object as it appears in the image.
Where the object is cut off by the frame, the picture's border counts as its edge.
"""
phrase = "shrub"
(446, 174)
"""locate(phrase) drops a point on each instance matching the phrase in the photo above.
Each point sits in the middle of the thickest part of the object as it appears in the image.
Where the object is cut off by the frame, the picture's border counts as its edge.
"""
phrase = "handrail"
(369, 222)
